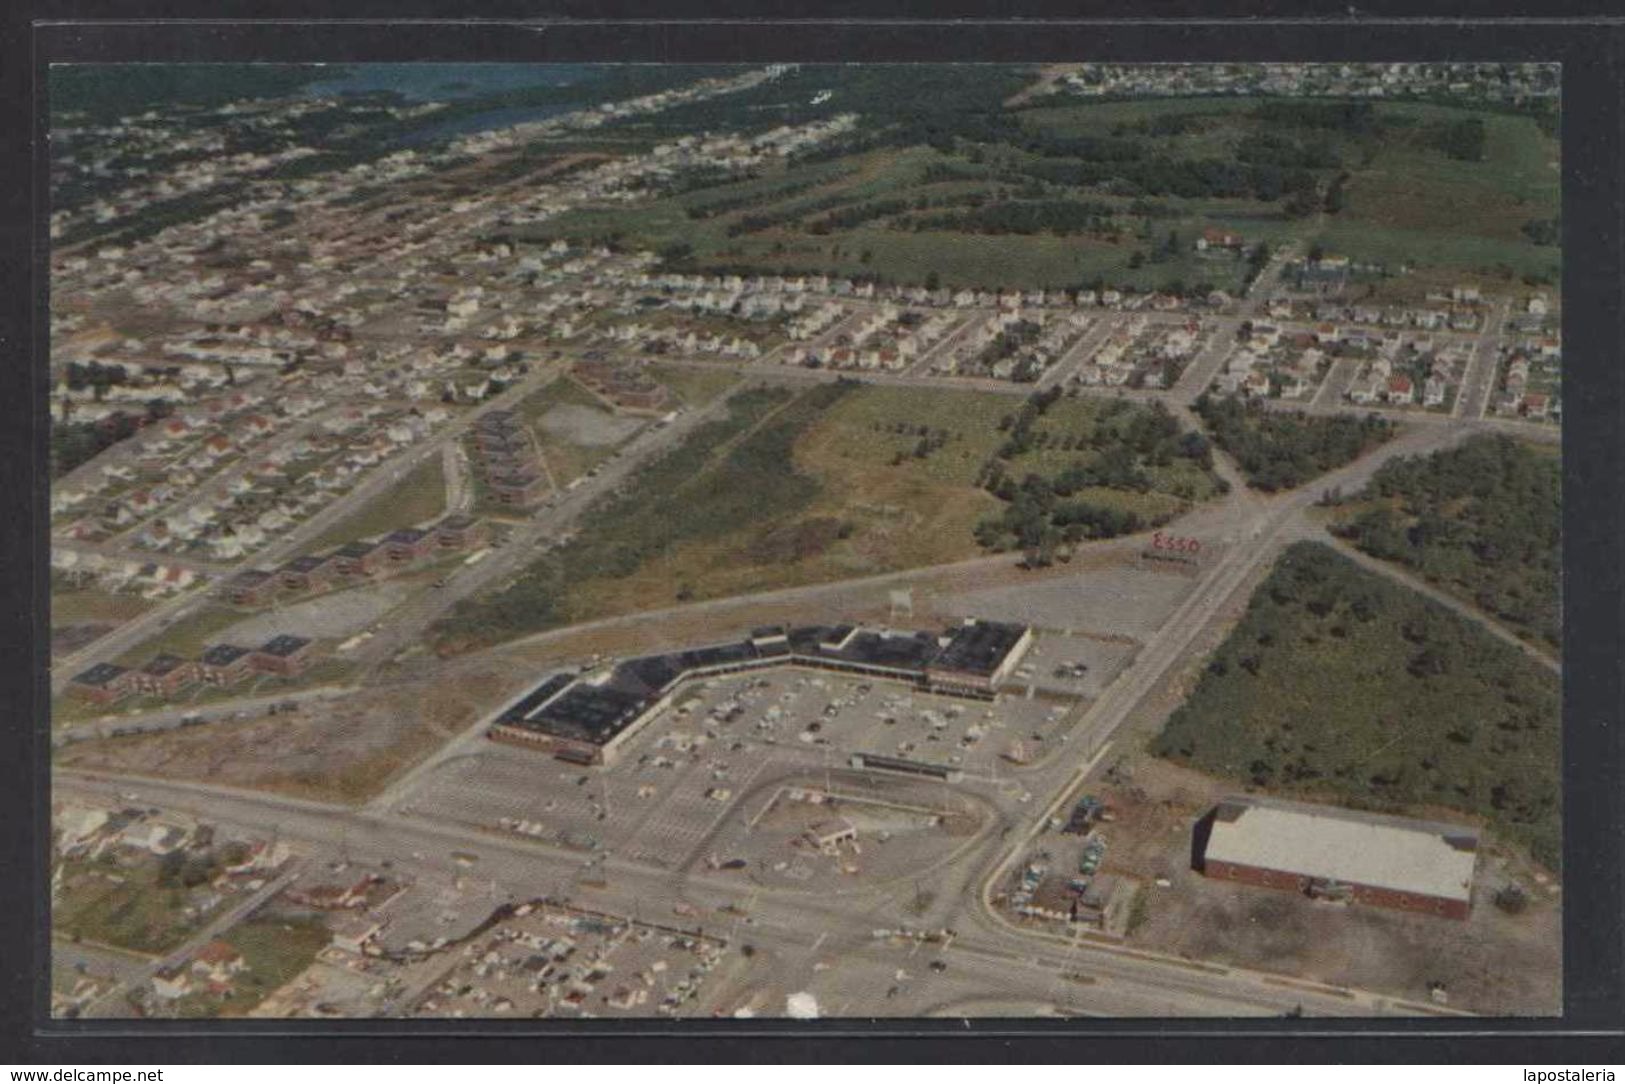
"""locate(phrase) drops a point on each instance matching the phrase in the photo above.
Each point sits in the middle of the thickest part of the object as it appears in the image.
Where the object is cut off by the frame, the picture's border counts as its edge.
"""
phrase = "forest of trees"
(1483, 521)
(1340, 685)
(1282, 450)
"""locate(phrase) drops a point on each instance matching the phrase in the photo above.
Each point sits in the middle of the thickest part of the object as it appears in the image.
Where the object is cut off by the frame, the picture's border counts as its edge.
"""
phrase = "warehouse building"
(1340, 854)
(588, 718)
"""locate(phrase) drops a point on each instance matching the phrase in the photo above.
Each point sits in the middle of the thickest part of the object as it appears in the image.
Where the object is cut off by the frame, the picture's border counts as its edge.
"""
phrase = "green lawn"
(695, 386)
(1340, 685)
(122, 906)
(187, 637)
(419, 495)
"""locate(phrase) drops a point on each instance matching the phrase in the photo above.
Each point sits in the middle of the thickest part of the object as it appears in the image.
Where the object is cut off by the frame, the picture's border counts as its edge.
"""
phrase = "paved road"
(1478, 382)
(218, 711)
(800, 926)
(786, 920)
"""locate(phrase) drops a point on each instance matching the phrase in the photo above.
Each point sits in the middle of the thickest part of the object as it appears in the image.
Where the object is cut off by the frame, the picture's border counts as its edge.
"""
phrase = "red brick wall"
(278, 664)
(1366, 894)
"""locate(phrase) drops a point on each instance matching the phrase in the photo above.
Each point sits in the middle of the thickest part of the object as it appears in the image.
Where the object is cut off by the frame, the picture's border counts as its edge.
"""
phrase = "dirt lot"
(67, 639)
(346, 751)
(587, 426)
(331, 616)
(1494, 963)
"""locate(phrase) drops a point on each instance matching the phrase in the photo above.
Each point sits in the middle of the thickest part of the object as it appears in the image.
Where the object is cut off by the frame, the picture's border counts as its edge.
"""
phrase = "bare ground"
(343, 752)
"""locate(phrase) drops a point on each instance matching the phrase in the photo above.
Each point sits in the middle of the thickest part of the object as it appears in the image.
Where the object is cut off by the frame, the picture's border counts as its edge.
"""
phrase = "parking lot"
(723, 739)
(830, 833)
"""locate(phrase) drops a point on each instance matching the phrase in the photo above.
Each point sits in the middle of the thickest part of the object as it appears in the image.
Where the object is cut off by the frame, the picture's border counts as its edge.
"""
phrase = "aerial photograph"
(789, 541)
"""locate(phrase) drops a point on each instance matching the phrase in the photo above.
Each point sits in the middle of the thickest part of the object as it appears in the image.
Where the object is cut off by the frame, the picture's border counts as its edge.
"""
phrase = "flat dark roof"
(406, 535)
(223, 654)
(456, 523)
(308, 563)
(355, 549)
(101, 674)
(163, 664)
(979, 647)
(252, 577)
(588, 713)
(284, 645)
(901, 764)
(567, 707)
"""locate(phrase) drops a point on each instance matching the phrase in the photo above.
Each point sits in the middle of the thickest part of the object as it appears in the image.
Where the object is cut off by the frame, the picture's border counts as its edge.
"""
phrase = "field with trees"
(1279, 449)
(1340, 686)
(1483, 521)
(727, 475)
(844, 480)
(941, 177)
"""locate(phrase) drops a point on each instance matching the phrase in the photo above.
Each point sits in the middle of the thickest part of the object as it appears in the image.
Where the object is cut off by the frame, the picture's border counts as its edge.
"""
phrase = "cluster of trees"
(1482, 520)
(94, 375)
(1187, 178)
(1042, 513)
(848, 217)
(1282, 450)
(76, 443)
(1409, 704)
(1168, 124)
(761, 197)
(770, 219)
(929, 440)
(1020, 424)
(1039, 522)
(1057, 216)
(190, 868)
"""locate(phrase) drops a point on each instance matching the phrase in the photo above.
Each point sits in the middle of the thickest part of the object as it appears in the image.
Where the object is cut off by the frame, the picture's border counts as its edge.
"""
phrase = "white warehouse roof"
(1419, 857)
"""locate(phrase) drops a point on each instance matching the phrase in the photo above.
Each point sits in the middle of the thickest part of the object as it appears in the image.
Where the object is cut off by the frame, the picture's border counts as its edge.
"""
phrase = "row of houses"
(167, 675)
(1140, 354)
(355, 561)
(508, 460)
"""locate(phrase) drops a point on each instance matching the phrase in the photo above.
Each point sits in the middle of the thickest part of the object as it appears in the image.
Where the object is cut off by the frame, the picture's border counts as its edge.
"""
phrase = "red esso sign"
(1174, 543)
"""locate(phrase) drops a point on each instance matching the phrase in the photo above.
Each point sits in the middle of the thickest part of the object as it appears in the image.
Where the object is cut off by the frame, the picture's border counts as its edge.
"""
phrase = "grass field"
(696, 385)
(94, 605)
(826, 485)
(419, 496)
(187, 637)
(1405, 201)
(123, 906)
(1341, 686)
